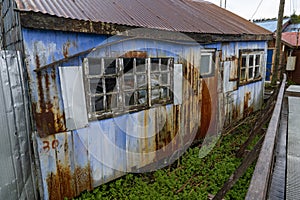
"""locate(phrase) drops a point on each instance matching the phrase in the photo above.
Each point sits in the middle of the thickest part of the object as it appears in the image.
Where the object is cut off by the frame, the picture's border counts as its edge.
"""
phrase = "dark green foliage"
(295, 19)
(193, 178)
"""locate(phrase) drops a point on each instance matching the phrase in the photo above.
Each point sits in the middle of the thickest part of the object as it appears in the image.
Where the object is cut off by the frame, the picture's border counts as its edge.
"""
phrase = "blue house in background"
(126, 86)
(271, 25)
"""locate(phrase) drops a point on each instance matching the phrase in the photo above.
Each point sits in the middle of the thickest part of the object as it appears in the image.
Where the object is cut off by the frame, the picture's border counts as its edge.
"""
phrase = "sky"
(267, 8)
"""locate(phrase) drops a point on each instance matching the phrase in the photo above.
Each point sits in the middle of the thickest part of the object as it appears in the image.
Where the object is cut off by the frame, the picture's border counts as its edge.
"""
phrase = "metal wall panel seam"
(5, 120)
(11, 122)
(25, 98)
(15, 86)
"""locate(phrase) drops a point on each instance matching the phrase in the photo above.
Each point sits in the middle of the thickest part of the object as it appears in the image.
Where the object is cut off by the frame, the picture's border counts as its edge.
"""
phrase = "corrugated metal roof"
(291, 38)
(194, 16)
(271, 25)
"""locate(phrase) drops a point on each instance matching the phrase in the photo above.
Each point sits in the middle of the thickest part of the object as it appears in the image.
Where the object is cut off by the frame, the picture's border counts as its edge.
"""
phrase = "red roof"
(291, 39)
(195, 16)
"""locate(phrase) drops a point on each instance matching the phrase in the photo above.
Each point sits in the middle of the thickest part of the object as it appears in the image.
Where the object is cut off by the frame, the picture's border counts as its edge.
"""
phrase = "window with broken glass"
(250, 66)
(119, 85)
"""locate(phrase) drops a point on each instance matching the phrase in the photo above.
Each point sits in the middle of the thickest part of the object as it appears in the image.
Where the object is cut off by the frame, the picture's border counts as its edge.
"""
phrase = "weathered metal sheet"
(47, 105)
(17, 180)
(75, 160)
(178, 84)
(183, 16)
(73, 97)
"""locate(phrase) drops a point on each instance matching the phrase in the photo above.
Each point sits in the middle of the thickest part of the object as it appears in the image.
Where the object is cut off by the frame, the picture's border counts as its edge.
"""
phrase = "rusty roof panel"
(291, 39)
(194, 16)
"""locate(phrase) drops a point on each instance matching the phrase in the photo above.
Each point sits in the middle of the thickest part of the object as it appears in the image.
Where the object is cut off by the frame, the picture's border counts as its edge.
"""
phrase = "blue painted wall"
(107, 148)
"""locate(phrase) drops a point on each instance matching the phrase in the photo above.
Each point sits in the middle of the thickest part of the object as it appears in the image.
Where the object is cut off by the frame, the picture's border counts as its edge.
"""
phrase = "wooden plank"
(260, 180)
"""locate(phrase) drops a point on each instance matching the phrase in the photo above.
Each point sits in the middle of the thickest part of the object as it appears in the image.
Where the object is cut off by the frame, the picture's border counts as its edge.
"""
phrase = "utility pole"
(278, 42)
(221, 3)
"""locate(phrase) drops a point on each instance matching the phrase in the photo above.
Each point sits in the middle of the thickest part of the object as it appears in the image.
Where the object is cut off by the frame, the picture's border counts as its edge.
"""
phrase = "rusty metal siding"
(239, 100)
(191, 16)
(46, 99)
(75, 160)
(17, 172)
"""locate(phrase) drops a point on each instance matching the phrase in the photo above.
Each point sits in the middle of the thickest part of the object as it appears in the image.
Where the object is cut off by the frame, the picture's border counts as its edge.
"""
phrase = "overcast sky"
(267, 9)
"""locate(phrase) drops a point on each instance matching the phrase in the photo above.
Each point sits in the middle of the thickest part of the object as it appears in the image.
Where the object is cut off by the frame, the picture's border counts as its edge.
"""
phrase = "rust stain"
(206, 111)
(53, 183)
(66, 48)
(49, 120)
(235, 112)
(165, 136)
(40, 84)
(65, 184)
(135, 54)
(247, 110)
(83, 179)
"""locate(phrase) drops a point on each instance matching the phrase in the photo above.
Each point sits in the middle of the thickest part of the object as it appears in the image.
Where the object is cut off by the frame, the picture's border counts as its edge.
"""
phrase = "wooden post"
(278, 42)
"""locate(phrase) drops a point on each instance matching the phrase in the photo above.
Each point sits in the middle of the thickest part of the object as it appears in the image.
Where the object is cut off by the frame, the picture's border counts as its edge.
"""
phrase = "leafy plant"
(193, 178)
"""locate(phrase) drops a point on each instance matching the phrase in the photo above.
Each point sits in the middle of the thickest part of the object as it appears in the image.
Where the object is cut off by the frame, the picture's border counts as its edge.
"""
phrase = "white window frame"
(211, 53)
(255, 67)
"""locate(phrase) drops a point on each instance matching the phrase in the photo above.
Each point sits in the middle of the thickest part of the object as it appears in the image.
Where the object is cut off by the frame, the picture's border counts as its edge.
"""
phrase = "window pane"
(96, 85)
(140, 65)
(141, 80)
(111, 101)
(164, 79)
(128, 82)
(154, 64)
(165, 93)
(129, 98)
(142, 96)
(251, 60)
(243, 74)
(94, 66)
(244, 60)
(257, 60)
(110, 66)
(250, 75)
(154, 80)
(205, 64)
(128, 65)
(110, 84)
(257, 72)
(97, 103)
(164, 64)
(155, 93)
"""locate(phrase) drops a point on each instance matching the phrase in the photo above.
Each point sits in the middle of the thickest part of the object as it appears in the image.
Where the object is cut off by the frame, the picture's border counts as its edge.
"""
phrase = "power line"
(257, 8)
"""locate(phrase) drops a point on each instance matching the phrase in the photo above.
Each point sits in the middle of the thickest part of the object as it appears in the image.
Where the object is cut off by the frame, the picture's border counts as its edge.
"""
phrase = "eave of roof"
(188, 16)
(292, 39)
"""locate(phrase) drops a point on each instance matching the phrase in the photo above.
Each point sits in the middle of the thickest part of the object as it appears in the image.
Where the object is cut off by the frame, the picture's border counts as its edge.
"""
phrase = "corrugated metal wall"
(16, 177)
(75, 160)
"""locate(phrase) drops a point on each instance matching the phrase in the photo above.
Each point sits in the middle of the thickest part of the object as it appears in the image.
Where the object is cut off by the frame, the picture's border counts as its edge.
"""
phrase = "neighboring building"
(289, 60)
(126, 85)
(271, 25)
(292, 42)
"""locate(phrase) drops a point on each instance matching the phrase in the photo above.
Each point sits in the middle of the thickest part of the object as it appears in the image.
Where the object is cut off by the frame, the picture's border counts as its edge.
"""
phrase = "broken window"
(250, 66)
(120, 85)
